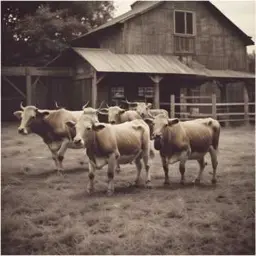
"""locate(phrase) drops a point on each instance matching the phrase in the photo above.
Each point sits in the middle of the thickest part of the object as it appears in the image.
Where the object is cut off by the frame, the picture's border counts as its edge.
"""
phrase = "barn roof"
(148, 5)
(103, 60)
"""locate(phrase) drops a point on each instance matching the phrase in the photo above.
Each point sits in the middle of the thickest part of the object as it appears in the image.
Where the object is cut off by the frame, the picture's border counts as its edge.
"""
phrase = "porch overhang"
(103, 60)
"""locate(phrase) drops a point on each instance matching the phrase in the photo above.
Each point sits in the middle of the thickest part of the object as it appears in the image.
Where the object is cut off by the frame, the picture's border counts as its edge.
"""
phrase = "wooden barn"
(155, 50)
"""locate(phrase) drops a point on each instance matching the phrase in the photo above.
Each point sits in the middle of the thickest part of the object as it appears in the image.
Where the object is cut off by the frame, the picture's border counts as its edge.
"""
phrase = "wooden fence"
(227, 112)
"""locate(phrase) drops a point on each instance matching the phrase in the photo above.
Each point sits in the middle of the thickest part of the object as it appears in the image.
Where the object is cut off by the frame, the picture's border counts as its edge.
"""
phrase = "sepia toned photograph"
(128, 127)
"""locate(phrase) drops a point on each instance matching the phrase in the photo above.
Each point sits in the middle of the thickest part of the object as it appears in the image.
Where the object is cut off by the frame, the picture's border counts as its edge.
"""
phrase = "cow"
(181, 141)
(50, 125)
(144, 109)
(111, 145)
(117, 115)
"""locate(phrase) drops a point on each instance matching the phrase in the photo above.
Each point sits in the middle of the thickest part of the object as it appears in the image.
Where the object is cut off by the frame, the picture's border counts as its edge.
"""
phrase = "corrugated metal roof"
(104, 60)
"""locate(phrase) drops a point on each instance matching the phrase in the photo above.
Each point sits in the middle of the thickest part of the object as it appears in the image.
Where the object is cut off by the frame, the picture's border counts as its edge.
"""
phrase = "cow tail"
(216, 136)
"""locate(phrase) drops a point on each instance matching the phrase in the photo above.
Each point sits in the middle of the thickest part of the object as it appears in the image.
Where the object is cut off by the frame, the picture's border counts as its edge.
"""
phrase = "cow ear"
(18, 114)
(70, 124)
(173, 121)
(98, 127)
(122, 111)
(148, 120)
(42, 113)
(149, 105)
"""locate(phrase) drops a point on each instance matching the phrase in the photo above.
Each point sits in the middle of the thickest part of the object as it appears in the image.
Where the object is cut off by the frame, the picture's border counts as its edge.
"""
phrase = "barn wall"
(216, 44)
(112, 39)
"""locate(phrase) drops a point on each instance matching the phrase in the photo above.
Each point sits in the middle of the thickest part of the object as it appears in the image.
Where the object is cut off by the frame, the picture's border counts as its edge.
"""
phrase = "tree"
(35, 32)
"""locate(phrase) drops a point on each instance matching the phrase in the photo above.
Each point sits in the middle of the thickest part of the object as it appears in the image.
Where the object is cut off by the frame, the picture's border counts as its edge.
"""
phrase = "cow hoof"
(182, 182)
(197, 181)
(110, 193)
(214, 181)
(90, 190)
(60, 172)
(148, 184)
(166, 182)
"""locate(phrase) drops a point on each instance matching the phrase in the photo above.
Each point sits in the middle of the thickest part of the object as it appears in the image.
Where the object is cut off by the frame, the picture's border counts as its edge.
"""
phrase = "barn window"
(184, 22)
(117, 92)
(146, 92)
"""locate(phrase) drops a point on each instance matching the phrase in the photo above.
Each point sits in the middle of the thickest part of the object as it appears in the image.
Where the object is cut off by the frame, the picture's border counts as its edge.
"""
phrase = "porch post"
(28, 87)
(156, 80)
(246, 105)
(94, 89)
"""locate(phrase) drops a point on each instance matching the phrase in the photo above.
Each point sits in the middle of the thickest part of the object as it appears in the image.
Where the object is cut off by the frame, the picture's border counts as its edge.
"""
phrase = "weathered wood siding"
(217, 45)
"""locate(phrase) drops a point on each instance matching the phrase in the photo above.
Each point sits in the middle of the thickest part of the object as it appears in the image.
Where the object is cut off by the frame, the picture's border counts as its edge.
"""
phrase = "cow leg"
(54, 149)
(62, 151)
(118, 169)
(147, 168)
(214, 160)
(139, 167)
(182, 172)
(90, 187)
(166, 170)
(112, 164)
(183, 159)
(202, 165)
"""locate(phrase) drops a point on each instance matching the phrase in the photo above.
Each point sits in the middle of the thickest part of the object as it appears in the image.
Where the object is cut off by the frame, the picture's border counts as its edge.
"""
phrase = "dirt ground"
(46, 213)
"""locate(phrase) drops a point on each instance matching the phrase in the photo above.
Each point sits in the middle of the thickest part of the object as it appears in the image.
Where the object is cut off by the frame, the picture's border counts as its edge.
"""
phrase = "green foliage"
(34, 34)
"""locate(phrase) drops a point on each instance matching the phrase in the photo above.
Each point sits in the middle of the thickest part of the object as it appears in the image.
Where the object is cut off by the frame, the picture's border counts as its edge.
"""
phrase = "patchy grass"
(46, 213)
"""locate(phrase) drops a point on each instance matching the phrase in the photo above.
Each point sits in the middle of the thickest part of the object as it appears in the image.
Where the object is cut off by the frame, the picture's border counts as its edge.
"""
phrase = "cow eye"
(88, 128)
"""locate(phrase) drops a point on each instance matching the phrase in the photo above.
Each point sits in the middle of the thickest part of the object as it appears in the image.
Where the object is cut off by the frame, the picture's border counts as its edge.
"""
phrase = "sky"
(241, 13)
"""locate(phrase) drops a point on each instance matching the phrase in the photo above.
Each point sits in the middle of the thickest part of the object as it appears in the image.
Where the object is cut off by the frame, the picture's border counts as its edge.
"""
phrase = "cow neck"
(166, 140)
(44, 130)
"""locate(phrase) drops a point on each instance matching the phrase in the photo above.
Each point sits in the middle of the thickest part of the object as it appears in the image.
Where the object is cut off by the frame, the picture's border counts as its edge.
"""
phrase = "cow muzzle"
(157, 142)
(22, 131)
(78, 141)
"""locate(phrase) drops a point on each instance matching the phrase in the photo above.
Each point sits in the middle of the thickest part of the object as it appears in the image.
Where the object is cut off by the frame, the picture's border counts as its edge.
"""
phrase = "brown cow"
(181, 141)
(144, 109)
(117, 115)
(110, 145)
(50, 125)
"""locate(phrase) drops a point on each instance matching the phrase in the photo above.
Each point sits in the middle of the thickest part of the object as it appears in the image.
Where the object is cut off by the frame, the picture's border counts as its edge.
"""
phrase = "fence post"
(172, 109)
(183, 107)
(214, 108)
(246, 106)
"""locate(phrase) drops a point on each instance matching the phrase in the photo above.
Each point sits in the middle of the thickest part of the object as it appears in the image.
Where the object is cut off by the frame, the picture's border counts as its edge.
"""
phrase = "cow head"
(157, 127)
(143, 109)
(29, 116)
(114, 114)
(87, 123)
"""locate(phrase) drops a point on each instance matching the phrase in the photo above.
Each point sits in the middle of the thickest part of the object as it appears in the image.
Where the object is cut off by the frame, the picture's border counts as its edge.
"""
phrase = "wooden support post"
(156, 79)
(28, 87)
(94, 89)
(214, 108)
(172, 108)
(246, 106)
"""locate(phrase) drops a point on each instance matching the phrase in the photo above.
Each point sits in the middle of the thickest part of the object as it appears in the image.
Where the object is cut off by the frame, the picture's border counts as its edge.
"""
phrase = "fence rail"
(225, 111)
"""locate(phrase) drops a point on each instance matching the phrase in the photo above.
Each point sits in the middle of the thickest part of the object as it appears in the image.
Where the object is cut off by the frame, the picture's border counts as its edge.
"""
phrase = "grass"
(43, 213)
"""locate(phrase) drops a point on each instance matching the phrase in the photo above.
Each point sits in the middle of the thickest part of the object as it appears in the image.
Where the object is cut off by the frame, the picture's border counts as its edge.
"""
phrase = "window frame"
(115, 89)
(193, 23)
(146, 91)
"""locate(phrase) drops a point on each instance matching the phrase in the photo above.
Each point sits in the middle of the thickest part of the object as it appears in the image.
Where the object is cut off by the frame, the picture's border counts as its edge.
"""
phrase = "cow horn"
(84, 106)
(21, 105)
(107, 105)
(101, 104)
(56, 104)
